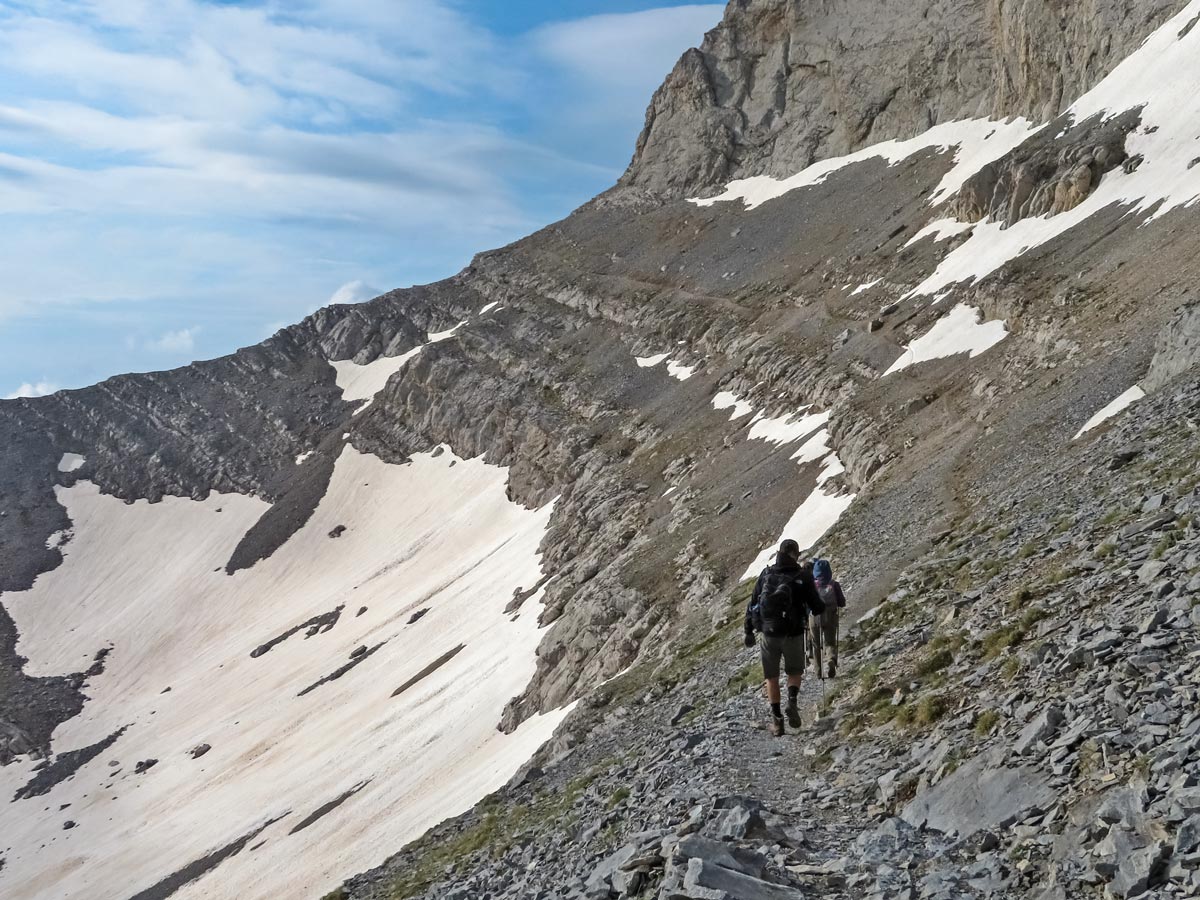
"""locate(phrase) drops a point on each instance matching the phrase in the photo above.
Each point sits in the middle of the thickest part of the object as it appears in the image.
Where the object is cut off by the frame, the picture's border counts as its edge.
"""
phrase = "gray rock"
(1177, 350)
(982, 794)
(1139, 870)
(707, 881)
(1040, 729)
(721, 854)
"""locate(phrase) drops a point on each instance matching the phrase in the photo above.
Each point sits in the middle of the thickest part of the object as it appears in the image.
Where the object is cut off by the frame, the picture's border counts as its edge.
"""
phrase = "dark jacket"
(805, 598)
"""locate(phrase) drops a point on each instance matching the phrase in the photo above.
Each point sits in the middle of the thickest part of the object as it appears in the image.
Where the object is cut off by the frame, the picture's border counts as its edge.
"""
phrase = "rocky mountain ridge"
(782, 84)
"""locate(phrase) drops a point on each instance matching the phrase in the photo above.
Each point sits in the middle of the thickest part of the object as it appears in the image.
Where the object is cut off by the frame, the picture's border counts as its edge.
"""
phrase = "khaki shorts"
(788, 649)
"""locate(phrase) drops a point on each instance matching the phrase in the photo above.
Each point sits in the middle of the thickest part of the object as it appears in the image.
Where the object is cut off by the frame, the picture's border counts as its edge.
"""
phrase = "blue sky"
(179, 178)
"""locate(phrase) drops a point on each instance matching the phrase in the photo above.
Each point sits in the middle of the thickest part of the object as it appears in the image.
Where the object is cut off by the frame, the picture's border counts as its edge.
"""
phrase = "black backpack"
(775, 607)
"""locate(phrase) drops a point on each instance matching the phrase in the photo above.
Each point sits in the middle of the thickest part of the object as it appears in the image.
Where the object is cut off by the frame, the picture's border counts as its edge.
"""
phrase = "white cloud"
(241, 160)
(630, 50)
(38, 389)
(181, 341)
(354, 292)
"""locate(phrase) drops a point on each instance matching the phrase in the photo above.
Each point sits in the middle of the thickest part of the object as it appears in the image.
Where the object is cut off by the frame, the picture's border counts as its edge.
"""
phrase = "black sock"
(793, 693)
(776, 711)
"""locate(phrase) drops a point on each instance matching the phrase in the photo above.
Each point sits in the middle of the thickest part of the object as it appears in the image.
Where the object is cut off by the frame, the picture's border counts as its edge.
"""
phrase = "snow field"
(438, 533)
(959, 331)
(363, 382)
(976, 142)
(863, 288)
(940, 230)
(1118, 405)
(822, 508)
(1161, 78)
(727, 399)
(676, 370)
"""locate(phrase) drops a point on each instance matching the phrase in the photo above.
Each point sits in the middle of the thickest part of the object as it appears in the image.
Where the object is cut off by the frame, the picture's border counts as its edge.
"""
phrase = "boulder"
(981, 795)
(704, 880)
(1040, 729)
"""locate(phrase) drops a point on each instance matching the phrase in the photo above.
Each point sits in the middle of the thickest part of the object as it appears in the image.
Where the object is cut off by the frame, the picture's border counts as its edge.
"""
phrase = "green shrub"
(1000, 640)
(619, 796)
(986, 722)
(935, 662)
(1020, 598)
(1032, 616)
(1168, 540)
(930, 709)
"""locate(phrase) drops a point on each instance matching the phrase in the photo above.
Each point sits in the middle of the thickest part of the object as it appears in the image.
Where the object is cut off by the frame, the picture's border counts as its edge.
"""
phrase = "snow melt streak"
(438, 533)
(1127, 399)
(977, 142)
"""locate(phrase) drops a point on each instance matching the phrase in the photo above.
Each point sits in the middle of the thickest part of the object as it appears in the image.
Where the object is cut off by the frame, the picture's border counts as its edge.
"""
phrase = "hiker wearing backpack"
(826, 627)
(784, 594)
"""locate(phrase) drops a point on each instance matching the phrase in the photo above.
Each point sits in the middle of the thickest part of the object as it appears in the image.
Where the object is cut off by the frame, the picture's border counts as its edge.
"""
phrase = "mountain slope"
(864, 352)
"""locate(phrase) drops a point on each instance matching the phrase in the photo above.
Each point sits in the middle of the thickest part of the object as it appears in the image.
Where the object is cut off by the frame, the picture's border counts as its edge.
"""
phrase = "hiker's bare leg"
(773, 689)
(793, 681)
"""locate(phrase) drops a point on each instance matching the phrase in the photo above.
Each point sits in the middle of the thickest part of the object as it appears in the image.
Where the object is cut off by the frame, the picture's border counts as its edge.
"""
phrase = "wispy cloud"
(239, 163)
(35, 389)
(175, 342)
(627, 51)
(354, 292)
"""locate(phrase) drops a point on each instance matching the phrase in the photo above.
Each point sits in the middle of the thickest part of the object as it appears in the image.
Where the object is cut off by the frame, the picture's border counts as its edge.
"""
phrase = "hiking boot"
(793, 714)
(832, 669)
(777, 726)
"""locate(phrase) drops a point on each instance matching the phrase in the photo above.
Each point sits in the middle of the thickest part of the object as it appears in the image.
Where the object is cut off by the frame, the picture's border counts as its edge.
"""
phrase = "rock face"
(1177, 350)
(780, 84)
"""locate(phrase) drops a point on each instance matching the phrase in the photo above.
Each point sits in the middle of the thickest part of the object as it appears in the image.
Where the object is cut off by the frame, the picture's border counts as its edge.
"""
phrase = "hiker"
(826, 627)
(779, 607)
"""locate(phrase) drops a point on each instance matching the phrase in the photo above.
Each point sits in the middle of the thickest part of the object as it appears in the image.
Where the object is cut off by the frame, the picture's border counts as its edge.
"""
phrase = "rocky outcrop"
(780, 84)
(1177, 350)
(1051, 173)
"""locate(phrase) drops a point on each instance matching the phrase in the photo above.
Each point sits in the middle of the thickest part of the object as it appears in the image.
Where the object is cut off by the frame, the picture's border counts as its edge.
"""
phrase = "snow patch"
(959, 331)
(786, 429)
(303, 456)
(862, 288)
(940, 230)
(364, 382)
(674, 369)
(1127, 399)
(1161, 79)
(70, 462)
(680, 371)
(977, 142)
(439, 336)
(649, 362)
(817, 514)
(437, 533)
(726, 399)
